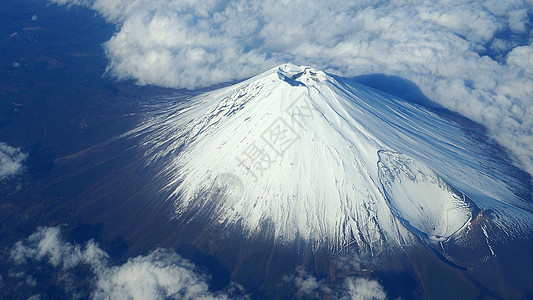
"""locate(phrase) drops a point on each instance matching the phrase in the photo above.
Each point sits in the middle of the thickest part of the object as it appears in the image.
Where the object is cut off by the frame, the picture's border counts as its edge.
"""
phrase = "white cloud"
(308, 286)
(356, 288)
(10, 161)
(439, 45)
(160, 275)
(363, 289)
(30, 281)
(46, 244)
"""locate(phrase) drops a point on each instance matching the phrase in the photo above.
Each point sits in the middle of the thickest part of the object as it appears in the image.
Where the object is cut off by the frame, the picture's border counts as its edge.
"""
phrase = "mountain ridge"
(296, 152)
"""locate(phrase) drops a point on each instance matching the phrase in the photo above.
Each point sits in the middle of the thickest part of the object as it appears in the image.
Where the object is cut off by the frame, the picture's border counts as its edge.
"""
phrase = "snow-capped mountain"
(298, 154)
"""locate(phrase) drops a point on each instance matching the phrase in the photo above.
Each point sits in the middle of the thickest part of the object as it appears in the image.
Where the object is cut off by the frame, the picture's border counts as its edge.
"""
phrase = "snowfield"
(421, 198)
(302, 154)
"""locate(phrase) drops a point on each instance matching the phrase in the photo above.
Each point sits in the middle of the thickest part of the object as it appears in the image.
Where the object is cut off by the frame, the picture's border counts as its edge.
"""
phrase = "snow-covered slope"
(421, 198)
(298, 153)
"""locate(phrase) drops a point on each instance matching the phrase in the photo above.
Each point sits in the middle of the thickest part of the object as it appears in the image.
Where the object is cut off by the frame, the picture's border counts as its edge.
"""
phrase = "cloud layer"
(46, 244)
(11, 160)
(473, 57)
(356, 288)
(363, 289)
(161, 274)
